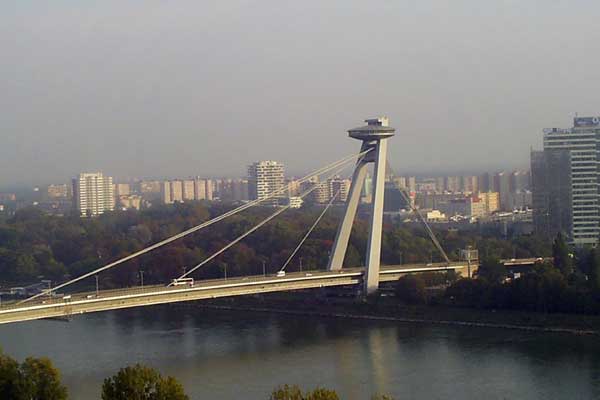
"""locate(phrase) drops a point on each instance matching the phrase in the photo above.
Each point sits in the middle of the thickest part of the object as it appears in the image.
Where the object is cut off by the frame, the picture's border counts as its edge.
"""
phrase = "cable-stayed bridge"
(81, 303)
(374, 137)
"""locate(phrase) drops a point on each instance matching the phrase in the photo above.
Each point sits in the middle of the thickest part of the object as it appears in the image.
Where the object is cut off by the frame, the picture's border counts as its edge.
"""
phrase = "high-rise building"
(470, 184)
(491, 200)
(520, 181)
(58, 191)
(122, 189)
(485, 183)
(411, 183)
(501, 184)
(452, 184)
(551, 185)
(151, 190)
(338, 184)
(177, 191)
(265, 178)
(320, 194)
(367, 190)
(239, 190)
(93, 194)
(201, 188)
(565, 182)
(165, 192)
(440, 184)
(188, 192)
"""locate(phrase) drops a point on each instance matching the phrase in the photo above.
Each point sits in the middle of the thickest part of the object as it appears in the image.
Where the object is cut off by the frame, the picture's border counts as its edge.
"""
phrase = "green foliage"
(42, 380)
(293, 392)
(287, 392)
(410, 289)
(141, 383)
(594, 269)
(543, 289)
(492, 270)
(33, 244)
(561, 254)
(322, 394)
(10, 378)
(34, 379)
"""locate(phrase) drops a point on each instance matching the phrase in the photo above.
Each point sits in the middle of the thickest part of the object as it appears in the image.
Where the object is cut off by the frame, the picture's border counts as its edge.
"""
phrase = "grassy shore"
(388, 309)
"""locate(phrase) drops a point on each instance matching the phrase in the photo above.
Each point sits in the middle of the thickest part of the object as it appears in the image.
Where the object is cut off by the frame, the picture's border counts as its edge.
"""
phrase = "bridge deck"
(80, 303)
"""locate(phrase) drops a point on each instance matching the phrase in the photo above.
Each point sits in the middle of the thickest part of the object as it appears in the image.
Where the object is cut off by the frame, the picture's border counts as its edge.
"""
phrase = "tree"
(594, 269)
(293, 392)
(322, 394)
(141, 383)
(42, 380)
(562, 258)
(10, 378)
(287, 392)
(492, 270)
(34, 379)
(411, 290)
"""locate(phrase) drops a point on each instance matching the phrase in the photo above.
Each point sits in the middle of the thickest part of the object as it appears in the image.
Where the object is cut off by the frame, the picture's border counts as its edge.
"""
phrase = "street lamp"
(300, 264)
(225, 269)
(264, 268)
(96, 276)
(142, 277)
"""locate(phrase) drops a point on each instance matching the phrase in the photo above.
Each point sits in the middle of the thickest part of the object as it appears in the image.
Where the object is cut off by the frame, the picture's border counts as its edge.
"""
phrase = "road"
(80, 303)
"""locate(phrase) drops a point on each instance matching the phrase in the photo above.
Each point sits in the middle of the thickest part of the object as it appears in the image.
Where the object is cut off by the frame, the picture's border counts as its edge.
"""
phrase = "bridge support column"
(345, 228)
(376, 223)
(374, 137)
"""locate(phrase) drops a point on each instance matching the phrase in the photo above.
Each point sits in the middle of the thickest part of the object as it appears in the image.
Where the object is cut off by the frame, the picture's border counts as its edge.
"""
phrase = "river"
(244, 355)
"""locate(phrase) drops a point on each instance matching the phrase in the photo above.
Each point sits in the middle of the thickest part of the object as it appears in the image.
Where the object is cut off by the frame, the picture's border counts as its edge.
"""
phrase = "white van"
(182, 282)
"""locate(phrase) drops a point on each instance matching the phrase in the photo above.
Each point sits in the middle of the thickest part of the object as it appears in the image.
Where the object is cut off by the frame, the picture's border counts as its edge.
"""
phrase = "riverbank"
(389, 311)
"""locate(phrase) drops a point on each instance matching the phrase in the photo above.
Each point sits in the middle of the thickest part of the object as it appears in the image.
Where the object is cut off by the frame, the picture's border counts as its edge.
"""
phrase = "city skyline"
(147, 96)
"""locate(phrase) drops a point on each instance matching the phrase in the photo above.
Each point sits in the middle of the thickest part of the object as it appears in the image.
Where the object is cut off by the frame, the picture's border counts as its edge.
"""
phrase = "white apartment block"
(265, 178)
(93, 194)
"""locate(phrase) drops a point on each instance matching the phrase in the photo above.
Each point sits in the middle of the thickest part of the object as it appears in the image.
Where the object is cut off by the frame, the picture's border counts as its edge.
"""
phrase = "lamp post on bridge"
(96, 276)
(225, 269)
(142, 277)
(264, 268)
(300, 264)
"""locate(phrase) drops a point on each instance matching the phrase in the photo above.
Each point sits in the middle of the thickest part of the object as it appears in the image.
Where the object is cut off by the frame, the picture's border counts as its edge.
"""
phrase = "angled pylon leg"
(336, 260)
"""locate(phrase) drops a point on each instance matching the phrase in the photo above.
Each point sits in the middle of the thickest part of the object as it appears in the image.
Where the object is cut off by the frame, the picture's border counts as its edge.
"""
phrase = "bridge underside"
(82, 303)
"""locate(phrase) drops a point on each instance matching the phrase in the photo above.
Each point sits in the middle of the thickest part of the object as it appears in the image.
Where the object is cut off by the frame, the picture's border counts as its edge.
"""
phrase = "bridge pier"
(374, 137)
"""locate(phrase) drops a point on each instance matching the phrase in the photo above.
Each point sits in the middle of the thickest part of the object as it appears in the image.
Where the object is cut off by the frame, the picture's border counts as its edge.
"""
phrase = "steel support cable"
(196, 228)
(256, 227)
(423, 219)
(314, 225)
(427, 227)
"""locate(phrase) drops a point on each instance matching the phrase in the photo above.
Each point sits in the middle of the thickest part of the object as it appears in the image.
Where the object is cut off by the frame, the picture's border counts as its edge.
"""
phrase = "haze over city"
(157, 89)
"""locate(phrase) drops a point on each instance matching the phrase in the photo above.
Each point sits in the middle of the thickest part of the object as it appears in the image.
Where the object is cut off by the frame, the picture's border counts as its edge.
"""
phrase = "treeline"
(38, 379)
(34, 245)
(569, 284)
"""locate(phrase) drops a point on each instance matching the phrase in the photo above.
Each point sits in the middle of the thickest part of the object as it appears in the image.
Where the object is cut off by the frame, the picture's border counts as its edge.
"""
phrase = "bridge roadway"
(81, 303)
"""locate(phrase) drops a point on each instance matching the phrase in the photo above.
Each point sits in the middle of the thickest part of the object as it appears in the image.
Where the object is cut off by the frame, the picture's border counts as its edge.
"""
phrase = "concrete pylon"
(374, 136)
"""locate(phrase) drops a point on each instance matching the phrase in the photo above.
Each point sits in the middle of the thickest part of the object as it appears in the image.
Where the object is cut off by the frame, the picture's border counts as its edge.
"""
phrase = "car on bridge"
(183, 282)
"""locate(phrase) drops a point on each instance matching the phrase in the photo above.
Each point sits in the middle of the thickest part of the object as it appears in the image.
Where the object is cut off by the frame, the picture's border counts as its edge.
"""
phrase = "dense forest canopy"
(36, 246)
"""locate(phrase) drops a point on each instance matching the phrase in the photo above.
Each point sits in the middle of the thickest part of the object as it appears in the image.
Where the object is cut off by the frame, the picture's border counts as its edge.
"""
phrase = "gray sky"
(175, 88)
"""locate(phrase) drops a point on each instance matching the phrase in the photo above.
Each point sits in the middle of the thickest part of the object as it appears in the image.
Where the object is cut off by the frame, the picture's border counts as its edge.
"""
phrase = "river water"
(244, 355)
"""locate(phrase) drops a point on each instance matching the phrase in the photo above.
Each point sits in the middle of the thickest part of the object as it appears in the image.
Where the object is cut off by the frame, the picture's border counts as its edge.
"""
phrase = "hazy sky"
(178, 88)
